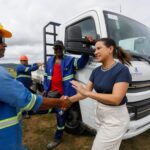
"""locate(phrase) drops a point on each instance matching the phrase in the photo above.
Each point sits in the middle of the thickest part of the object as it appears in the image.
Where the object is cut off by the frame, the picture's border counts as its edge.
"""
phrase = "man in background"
(60, 70)
(24, 71)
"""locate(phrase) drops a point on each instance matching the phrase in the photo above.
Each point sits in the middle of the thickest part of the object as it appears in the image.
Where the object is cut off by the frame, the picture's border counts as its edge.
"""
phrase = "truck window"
(129, 34)
(87, 27)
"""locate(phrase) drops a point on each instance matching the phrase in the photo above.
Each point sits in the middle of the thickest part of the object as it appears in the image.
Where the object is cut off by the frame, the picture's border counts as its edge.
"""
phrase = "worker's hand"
(89, 38)
(65, 103)
(40, 64)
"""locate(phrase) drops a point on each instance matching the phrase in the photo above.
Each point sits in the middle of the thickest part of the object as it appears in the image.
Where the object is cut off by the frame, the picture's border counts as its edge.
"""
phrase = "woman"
(110, 81)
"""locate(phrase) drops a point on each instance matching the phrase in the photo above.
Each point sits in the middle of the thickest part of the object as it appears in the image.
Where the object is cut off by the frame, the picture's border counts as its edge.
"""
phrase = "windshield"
(129, 34)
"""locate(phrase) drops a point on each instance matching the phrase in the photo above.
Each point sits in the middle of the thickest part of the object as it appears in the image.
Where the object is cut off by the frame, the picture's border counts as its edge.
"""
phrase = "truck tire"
(74, 121)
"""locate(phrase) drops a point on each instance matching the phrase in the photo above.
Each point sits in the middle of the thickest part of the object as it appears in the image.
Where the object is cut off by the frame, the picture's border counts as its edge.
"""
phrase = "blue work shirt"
(104, 80)
(24, 74)
(14, 99)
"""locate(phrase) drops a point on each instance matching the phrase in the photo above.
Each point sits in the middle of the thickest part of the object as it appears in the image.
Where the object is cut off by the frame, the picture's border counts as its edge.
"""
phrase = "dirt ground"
(39, 130)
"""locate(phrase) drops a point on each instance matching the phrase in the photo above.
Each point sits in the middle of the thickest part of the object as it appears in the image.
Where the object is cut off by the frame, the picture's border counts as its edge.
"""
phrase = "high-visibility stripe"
(15, 120)
(45, 74)
(49, 77)
(60, 128)
(50, 110)
(64, 78)
(27, 68)
(75, 63)
(10, 121)
(31, 104)
(68, 77)
(24, 76)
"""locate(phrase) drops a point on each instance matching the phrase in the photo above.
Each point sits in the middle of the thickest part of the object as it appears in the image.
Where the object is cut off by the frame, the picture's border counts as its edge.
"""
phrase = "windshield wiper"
(138, 56)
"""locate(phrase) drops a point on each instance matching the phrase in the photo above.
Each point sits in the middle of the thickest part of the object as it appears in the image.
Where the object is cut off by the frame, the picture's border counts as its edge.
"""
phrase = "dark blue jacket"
(24, 74)
(69, 65)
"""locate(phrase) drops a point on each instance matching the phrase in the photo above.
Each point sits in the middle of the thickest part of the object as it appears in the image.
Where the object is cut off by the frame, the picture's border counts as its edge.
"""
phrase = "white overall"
(112, 124)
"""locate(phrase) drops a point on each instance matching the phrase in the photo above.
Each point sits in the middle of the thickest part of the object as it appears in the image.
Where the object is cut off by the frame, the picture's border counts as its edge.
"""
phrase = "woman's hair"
(124, 57)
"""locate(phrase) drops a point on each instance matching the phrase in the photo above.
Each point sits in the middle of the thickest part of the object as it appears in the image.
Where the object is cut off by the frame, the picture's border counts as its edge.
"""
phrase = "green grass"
(12, 72)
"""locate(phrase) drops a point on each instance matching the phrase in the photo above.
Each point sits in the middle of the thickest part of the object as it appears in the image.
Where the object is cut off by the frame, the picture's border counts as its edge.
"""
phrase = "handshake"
(64, 102)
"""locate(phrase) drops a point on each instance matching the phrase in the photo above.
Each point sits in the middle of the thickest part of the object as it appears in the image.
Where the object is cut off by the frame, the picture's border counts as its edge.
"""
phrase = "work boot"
(53, 143)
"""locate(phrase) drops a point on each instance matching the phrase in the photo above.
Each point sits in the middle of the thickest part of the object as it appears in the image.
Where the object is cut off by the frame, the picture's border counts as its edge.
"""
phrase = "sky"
(26, 19)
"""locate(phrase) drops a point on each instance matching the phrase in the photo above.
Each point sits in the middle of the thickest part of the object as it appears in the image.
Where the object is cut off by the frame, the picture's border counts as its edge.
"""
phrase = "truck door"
(89, 26)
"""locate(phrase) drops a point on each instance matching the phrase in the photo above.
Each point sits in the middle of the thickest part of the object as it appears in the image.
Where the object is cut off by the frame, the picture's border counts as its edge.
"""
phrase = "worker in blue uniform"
(15, 98)
(24, 71)
(60, 70)
(24, 75)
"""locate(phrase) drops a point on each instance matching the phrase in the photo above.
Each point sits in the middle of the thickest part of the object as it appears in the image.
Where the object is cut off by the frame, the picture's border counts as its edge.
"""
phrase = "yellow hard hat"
(5, 33)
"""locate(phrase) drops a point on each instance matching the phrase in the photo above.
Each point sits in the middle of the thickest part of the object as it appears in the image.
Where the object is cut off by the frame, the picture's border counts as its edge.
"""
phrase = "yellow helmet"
(5, 33)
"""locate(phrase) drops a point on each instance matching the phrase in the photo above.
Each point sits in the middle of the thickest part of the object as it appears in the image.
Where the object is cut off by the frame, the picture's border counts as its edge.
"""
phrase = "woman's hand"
(82, 90)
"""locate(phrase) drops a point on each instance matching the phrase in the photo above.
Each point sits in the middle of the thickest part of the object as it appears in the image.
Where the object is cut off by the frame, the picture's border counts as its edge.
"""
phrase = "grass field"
(12, 72)
(39, 130)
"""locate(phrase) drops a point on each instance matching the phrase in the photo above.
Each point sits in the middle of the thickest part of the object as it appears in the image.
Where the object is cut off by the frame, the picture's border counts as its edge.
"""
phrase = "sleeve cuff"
(38, 102)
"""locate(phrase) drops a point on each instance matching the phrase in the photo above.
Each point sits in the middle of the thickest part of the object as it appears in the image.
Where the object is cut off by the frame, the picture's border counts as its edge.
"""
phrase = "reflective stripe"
(64, 78)
(60, 128)
(68, 77)
(10, 121)
(25, 76)
(15, 120)
(49, 77)
(45, 74)
(75, 63)
(31, 103)
(27, 68)
(50, 110)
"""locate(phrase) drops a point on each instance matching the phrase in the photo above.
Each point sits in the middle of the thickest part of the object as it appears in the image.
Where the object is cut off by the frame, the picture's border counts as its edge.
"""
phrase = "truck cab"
(131, 35)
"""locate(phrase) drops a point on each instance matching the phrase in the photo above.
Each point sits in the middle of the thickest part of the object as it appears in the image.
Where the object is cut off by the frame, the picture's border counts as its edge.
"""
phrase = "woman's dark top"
(104, 80)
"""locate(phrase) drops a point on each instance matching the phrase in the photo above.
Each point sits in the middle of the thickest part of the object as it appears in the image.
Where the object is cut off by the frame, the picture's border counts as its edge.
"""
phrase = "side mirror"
(74, 42)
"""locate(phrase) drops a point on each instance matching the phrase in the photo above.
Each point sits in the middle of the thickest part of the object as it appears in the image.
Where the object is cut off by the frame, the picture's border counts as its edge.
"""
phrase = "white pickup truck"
(133, 36)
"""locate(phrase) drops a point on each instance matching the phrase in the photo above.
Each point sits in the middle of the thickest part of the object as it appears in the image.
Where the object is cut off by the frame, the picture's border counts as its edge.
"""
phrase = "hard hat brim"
(5, 33)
